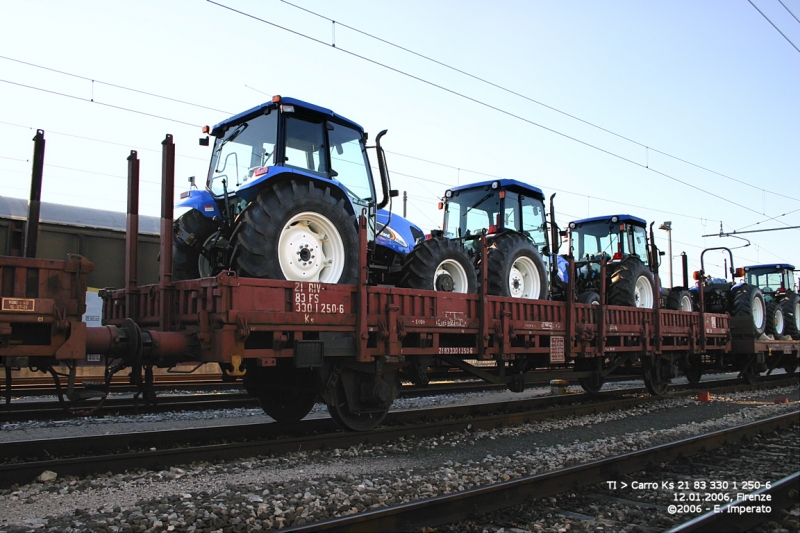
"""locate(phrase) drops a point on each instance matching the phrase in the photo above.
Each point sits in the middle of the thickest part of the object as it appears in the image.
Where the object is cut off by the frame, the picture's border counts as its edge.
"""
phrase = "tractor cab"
(493, 207)
(622, 241)
(774, 280)
(613, 237)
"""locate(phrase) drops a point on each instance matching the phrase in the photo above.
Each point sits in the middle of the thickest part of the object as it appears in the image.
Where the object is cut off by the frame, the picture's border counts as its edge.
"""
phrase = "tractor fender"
(198, 199)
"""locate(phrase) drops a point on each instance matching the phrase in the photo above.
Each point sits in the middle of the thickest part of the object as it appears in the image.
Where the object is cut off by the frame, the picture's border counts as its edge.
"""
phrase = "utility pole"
(667, 226)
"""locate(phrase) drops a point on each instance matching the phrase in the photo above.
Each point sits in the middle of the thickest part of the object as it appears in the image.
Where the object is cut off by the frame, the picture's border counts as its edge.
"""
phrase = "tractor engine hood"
(400, 235)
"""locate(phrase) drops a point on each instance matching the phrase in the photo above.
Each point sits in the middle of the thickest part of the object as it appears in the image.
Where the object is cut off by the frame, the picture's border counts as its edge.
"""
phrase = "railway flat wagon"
(295, 341)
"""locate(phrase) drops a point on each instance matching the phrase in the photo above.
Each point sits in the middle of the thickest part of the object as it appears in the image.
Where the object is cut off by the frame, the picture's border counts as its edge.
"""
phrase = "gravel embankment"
(273, 492)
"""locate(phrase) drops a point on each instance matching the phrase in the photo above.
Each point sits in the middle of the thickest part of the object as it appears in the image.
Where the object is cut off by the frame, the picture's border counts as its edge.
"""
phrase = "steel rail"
(782, 495)
(459, 506)
(246, 440)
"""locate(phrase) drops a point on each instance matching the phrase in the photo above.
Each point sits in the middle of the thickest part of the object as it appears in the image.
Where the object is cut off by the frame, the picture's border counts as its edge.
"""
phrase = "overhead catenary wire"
(484, 104)
(774, 26)
(537, 102)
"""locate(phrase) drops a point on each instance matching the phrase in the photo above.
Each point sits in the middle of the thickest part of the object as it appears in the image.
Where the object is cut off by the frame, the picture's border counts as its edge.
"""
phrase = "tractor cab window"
(240, 150)
(533, 220)
(349, 164)
(305, 145)
(595, 240)
(768, 281)
(471, 212)
(638, 242)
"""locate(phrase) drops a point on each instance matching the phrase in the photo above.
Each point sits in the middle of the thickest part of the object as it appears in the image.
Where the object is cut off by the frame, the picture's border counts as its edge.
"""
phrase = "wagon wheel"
(287, 406)
(592, 384)
(694, 370)
(656, 376)
(368, 414)
(749, 373)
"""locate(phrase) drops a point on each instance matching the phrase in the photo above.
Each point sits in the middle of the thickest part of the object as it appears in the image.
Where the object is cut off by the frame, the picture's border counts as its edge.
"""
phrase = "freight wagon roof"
(69, 215)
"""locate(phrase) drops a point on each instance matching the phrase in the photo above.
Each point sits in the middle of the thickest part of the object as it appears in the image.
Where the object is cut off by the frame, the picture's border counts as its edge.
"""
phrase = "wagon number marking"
(307, 300)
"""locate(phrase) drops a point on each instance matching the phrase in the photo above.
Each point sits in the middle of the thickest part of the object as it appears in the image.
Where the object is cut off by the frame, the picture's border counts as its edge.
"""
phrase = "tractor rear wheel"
(631, 285)
(299, 232)
(775, 323)
(516, 268)
(680, 300)
(440, 265)
(748, 301)
(193, 232)
(791, 315)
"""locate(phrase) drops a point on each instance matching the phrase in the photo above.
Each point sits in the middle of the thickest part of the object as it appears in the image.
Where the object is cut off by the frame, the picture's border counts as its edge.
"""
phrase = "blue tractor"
(512, 217)
(777, 284)
(622, 241)
(285, 186)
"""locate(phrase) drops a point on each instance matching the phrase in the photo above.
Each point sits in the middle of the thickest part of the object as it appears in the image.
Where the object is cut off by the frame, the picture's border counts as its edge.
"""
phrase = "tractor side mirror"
(394, 193)
(204, 141)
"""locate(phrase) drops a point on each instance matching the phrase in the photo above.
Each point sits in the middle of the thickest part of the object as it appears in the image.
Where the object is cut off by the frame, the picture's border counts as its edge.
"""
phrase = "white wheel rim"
(758, 313)
(643, 293)
(797, 316)
(310, 248)
(523, 279)
(454, 269)
(686, 303)
(777, 323)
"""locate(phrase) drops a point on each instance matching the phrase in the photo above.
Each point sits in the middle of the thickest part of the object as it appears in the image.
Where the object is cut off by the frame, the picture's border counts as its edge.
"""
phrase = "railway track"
(161, 449)
(450, 509)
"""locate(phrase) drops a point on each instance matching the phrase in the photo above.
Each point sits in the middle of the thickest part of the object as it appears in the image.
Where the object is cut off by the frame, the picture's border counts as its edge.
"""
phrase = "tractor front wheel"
(440, 265)
(775, 323)
(680, 300)
(194, 232)
(748, 301)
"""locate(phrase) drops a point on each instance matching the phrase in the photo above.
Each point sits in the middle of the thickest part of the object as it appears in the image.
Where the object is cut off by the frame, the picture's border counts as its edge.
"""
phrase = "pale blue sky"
(711, 82)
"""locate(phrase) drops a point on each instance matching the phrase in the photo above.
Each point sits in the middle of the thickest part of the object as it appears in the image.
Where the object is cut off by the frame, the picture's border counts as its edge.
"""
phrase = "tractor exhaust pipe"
(34, 206)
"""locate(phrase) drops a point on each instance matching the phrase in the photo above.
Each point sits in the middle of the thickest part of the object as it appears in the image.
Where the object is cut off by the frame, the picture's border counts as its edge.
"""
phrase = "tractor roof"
(506, 184)
(259, 110)
(771, 266)
(627, 219)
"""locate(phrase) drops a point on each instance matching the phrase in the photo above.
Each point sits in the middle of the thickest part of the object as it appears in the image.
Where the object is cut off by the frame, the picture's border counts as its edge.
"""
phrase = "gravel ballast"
(303, 487)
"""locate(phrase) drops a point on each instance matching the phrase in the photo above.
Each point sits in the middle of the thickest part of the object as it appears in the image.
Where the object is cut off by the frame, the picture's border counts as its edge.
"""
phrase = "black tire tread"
(773, 308)
(623, 281)
(503, 251)
(674, 299)
(196, 228)
(256, 248)
(789, 305)
(421, 264)
(743, 300)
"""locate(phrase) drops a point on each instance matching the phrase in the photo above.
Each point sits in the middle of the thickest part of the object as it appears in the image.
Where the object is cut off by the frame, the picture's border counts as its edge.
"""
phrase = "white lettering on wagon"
(456, 351)
(308, 299)
(452, 319)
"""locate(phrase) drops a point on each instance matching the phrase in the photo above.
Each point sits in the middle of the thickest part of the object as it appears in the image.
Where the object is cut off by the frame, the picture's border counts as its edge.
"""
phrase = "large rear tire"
(516, 268)
(631, 285)
(192, 232)
(791, 315)
(299, 232)
(440, 265)
(748, 301)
